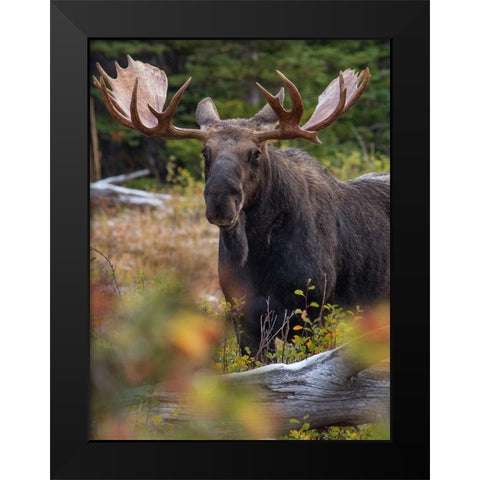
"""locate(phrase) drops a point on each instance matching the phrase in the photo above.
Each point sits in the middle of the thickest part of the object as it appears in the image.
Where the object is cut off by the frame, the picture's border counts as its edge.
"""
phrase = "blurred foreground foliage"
(226, 70)
(148, 342)
(152, 338)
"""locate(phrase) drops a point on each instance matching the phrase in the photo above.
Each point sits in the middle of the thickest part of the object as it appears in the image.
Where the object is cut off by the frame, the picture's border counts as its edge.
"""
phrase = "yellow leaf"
(297, 327)
(304, 314)
(156, 419)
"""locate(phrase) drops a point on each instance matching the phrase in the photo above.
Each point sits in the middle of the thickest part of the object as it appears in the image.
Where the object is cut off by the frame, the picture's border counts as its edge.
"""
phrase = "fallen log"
(106, 189)
(337, 387)
(124, 177)
(332, 388)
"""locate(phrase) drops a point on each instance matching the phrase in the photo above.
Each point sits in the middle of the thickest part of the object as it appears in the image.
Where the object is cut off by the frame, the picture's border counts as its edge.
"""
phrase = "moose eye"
(206, 155)
(253, 155)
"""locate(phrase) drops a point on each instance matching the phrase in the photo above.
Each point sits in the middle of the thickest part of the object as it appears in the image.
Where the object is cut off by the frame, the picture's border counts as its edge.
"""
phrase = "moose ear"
(206, 113)
(266, 119)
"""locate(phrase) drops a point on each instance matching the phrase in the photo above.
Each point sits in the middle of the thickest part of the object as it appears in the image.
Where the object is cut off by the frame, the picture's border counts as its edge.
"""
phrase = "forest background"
(226, 71)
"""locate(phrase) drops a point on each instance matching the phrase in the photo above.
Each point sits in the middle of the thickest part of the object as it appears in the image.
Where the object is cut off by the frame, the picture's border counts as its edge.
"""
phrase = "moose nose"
(221, 222)
(221, 208)
(217, 216)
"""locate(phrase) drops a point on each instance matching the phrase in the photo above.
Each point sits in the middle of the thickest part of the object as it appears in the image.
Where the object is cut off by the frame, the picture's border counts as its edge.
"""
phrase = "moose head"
(232, 148)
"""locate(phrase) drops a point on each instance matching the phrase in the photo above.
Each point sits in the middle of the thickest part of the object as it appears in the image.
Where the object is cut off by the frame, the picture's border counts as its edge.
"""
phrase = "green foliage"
(186, 157)
(319, 328)
(359, 432)
(353, 164)
(302, 433)
(227, 70)
(227, 355)
(149, 184)
(181, 177)
(329, 327)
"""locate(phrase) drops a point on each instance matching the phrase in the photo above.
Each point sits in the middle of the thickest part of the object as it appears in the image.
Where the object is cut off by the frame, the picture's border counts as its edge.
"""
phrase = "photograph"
(240, 239)
(250, 259)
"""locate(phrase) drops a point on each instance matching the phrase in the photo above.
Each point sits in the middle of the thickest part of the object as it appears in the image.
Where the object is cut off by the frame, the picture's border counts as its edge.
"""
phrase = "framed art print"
(238, 289)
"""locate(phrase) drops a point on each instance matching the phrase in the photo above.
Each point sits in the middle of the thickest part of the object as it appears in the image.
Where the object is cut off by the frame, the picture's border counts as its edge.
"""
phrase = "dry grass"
(156, 245)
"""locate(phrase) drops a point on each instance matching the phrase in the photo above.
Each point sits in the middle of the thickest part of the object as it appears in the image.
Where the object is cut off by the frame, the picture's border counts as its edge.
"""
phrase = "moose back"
(283, 218)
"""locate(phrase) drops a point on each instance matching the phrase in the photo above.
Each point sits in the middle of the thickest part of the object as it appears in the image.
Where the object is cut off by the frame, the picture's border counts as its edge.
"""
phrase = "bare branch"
(112, 268)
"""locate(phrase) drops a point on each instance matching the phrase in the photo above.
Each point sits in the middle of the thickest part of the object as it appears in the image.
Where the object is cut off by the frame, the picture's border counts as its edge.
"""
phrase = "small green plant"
(140, 283)
(149, 184)
(359, 432)
(181, 178)
(348, 165)
(302, 433)
(318, 328)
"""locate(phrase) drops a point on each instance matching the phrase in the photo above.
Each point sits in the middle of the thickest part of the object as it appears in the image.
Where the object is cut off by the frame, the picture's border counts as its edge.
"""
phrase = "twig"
(112, 267)
(225, 344)
(366, 157)
(285, 331)
(268, 334)
(323, 299)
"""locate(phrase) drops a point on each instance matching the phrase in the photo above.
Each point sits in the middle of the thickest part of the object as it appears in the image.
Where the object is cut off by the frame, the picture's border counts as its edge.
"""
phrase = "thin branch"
(112, 267)
(322, 308)
(366, 157)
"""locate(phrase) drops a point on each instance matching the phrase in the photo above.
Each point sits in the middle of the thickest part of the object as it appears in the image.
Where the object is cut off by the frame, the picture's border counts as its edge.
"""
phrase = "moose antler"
(337, 98)
(137, 97)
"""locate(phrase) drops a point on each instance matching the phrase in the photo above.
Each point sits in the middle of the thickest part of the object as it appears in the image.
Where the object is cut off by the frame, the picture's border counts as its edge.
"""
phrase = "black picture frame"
(406, 24)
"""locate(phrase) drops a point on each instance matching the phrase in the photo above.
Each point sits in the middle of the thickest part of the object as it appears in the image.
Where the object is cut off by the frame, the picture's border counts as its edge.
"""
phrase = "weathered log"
(107, 189)
(337, 387)
(124, 177)
(332, 388)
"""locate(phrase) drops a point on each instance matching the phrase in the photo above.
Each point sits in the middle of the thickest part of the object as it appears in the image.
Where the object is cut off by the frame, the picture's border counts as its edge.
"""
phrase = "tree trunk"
(95, 168)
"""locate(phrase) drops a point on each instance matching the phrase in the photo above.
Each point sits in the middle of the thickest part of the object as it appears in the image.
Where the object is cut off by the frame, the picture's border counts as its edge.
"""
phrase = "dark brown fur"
(285, 219)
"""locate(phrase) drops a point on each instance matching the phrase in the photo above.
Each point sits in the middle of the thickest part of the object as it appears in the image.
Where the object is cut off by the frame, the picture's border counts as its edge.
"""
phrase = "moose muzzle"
(223, 195)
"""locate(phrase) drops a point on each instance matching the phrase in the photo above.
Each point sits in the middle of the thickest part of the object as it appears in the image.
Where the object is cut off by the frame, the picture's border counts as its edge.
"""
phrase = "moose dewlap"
(283, 218)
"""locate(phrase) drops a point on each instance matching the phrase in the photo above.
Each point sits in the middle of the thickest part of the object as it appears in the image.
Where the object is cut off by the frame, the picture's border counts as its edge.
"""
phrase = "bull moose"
(283, 218)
